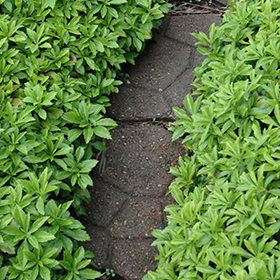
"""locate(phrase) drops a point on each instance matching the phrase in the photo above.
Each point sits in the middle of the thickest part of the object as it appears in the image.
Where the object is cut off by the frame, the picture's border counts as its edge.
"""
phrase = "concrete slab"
(133, 258)
(176, 93)
(138, 159)
(180, 27)
(106, 201)
(160, 64)
(138, 218)
(138, 104)
(99, 245)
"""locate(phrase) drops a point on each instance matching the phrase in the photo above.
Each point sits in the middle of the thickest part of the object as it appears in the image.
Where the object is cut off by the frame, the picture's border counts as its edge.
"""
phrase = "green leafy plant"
(225, 224)
(59, 63)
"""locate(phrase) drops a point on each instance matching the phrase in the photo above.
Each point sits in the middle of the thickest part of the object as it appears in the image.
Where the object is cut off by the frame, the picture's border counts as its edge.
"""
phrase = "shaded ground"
(130, 191)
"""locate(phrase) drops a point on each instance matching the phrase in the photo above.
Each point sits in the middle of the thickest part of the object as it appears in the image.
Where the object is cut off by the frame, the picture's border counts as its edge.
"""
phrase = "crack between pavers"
(116, 215)
(177, 41)
(110, 251)
(164, 122)
(146, 121)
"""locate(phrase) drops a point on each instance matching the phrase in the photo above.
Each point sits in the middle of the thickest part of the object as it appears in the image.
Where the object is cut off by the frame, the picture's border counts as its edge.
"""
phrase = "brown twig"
(203, 7)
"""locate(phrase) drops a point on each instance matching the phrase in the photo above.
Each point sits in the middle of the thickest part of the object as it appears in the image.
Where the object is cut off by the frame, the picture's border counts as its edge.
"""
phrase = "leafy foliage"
(226, 221)
(59, 61)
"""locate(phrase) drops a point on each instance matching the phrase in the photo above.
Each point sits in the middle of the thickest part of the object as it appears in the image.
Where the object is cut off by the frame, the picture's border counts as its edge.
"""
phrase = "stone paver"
(130, 191)
(138, 219)
(140, 104)
(106, 202)
(100, 244)
(179, 28)
(136, 160)
(133, 258)
(160, 64)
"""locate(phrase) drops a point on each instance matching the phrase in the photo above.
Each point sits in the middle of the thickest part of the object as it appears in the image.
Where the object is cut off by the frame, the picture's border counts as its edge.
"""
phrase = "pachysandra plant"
(59, 61)
(226, 222)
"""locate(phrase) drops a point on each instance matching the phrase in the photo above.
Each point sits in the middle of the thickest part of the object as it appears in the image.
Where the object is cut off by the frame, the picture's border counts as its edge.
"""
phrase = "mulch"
(196, 7)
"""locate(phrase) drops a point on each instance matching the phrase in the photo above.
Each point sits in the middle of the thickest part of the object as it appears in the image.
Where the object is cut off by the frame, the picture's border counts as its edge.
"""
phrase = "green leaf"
(179, 132)
(106, 82)
(45, 273)
(72, 117)
(77, 234)
(117, 2)
(38, 224)
(33, 241)
(99, 146)
(102, 132)
(90, 63)
(3, 272)
(89, 274)
(40, 205)
(42, 114)
(49, 3)
(73, 134)
(84, 180)
(180, 113)
(88, 134)
(54, 113)
(43, 236)
(206, 269)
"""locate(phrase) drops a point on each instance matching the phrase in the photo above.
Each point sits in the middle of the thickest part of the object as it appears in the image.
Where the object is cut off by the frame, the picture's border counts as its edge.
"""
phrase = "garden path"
(130, 193)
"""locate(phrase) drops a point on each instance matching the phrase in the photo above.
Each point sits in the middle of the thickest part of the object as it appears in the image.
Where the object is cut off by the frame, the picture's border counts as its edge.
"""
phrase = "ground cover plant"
(59, 62)
(226, 222)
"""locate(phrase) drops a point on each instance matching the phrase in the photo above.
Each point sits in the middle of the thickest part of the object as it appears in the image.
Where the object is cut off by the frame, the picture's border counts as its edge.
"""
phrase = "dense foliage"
(58, 63)
(226, 222)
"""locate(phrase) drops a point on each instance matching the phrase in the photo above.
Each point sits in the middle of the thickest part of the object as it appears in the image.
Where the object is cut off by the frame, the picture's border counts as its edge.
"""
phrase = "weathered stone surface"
(138, 159)
(136, 103)
(99, 245)
(138, 218)
(132, 259)
(176, 92)
(106, 201)
(180, 27)
(160, 64)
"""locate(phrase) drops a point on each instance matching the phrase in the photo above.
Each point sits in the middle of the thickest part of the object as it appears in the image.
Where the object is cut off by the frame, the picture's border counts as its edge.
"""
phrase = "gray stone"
(160, 64)
(99, 245)
(132, 259)
(138, 218)
(136, 103)
(180, 27)
(138, 159)
(105, 203)
(176, 93)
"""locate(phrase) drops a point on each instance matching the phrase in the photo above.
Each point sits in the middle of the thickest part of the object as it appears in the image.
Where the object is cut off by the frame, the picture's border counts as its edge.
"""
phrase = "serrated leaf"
(102, 132)
(43, 236)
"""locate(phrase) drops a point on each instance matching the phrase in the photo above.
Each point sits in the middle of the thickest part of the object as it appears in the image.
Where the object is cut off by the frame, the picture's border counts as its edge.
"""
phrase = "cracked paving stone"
(99, 245)
(179, 28)
(135, 103)
(160, 64)
(138, 159)
(138, 218)
(105, 202)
